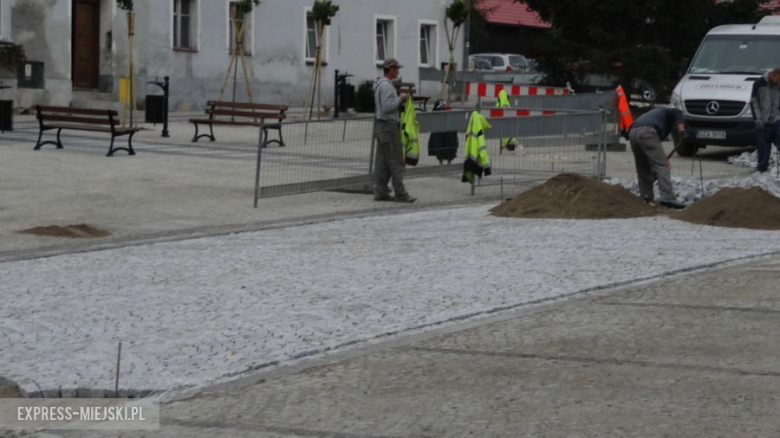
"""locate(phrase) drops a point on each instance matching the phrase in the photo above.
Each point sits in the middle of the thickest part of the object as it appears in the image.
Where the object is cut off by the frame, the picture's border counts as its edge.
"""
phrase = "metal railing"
(339, 154)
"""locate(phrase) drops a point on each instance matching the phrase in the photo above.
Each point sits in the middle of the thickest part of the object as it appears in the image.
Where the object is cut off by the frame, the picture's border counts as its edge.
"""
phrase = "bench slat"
(84, 120)
(248, 114)
(69, 110)
(91, 128)
(261, 106)
(228, 122)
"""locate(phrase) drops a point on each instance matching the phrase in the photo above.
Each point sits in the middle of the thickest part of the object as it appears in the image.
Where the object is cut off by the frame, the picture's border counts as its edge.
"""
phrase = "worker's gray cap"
(390, 63)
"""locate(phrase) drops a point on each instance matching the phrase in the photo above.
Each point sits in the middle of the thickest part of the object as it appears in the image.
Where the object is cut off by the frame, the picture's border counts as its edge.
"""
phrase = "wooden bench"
(80, 119)
(241, 114)
(410, 88)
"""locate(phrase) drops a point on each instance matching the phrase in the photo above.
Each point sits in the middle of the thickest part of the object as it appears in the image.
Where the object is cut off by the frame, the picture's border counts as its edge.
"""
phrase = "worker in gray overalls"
(646, 135)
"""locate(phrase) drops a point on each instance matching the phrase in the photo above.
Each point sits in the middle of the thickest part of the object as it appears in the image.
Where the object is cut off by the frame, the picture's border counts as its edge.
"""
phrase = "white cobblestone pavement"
(200, 311)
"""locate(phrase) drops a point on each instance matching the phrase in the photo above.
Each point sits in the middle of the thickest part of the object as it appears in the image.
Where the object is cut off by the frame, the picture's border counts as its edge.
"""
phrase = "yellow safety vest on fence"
(477, 159)
(410, 134)
(503, 102)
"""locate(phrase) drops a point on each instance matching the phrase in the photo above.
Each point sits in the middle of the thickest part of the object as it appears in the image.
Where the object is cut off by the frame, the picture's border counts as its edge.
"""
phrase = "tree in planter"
(127, 5)
(243, 8)
(457, 13)
(323, 11)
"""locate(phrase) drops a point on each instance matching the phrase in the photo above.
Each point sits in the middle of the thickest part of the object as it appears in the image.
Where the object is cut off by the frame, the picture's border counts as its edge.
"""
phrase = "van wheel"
(687, 149)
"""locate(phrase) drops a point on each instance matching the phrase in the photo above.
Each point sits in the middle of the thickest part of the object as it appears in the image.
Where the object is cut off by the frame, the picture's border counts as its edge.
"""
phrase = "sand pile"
(570, 196)
(9, 392)
(81, 231)
(753, 208)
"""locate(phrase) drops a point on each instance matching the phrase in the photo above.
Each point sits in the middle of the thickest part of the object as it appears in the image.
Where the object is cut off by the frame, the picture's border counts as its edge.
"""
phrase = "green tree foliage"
(364, 98)
(323, 11)
(126, 5)
(245, 6)
(457, 13)
(11, 56)
(639, 41)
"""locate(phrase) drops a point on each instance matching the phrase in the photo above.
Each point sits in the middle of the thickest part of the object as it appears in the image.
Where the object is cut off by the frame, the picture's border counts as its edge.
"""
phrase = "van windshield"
(737, 54)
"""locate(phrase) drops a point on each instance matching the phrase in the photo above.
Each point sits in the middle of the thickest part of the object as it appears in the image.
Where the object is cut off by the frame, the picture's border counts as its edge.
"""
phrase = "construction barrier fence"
(339, 153)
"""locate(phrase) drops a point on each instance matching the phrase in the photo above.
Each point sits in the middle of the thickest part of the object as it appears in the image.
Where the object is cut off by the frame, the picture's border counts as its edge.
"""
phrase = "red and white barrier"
(479, 89)
(510, 112)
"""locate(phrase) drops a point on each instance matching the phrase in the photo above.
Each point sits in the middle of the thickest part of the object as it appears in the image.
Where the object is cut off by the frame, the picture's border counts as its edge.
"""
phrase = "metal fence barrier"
(545, 146)
(572, 102)
(339, 154)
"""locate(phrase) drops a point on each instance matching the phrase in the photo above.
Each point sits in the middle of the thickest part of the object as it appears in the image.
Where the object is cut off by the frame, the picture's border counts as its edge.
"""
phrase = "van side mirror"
(684, 64)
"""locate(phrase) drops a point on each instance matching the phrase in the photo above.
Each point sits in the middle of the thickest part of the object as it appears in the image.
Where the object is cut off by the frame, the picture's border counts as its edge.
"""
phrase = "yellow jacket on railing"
(503, 102)
(477, 159)
(410, 134)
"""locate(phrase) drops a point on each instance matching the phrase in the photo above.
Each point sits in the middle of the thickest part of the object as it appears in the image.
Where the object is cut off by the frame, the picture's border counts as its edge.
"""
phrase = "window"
(729, 54)
(428, 45)
(246, 38)
(183, 24)
(385, 39)
(311, 39)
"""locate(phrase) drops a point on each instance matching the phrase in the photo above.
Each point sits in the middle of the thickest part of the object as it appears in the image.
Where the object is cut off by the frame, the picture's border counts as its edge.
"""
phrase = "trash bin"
(155, 109)
(346, 96)
(6, 115)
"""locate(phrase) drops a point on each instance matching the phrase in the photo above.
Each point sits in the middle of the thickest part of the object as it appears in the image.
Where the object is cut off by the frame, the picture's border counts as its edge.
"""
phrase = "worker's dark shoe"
(672, 203)
(384, 198)
(407, 199)
(649, 200)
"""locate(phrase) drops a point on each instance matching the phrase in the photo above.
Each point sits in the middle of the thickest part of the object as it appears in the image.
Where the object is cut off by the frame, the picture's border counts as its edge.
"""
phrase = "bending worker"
(389, 150)
(646, 135)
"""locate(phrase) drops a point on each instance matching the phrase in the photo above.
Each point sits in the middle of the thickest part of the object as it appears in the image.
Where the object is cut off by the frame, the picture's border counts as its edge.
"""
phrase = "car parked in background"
(479, 64)
(505, 62)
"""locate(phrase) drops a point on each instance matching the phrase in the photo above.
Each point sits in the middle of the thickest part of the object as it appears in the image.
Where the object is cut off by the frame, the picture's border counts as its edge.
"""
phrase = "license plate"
(718, 135)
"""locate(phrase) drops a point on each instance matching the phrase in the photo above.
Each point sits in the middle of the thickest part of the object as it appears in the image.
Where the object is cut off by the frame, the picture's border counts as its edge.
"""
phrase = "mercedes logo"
(713, 107)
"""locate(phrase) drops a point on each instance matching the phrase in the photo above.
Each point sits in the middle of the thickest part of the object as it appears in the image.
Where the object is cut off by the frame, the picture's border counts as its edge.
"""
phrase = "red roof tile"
(509, 12)
(773, 4)
(517, 14)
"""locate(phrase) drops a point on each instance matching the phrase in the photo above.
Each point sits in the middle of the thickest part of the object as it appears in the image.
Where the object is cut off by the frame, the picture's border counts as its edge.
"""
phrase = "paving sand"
(80, 231)
(570, 196)
(753, 208)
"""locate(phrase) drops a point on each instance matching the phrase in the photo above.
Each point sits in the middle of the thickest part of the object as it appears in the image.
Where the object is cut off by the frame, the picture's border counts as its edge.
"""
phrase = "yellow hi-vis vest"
(503, 102)
(477, 159)
(410, 134)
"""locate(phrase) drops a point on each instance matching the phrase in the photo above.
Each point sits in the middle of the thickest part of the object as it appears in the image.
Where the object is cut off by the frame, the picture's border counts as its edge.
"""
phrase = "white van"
(715, 92)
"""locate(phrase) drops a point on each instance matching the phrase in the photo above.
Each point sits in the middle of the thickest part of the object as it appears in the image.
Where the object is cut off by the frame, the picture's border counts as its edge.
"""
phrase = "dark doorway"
(86, 43)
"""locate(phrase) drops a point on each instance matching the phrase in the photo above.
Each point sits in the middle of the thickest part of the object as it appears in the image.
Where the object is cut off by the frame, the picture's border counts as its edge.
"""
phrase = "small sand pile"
(570, 196)
(81, 231)
(8, 392)
(753, 208)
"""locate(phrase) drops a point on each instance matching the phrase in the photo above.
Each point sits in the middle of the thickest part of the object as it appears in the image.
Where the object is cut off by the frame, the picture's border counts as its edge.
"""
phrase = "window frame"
(326, 37)
(194, 26)
(433, 43)
(249, 45)
(391, 38)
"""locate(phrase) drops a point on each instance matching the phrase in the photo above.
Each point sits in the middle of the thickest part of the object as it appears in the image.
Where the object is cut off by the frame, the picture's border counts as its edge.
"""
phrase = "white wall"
(277, 66)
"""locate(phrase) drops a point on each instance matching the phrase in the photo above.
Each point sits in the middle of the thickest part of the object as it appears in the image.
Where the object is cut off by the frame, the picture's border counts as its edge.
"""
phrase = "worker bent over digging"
(389, 150)
(646, 135)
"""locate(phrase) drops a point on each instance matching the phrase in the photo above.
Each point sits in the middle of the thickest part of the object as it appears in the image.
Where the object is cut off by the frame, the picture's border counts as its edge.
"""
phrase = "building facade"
(82, 45)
